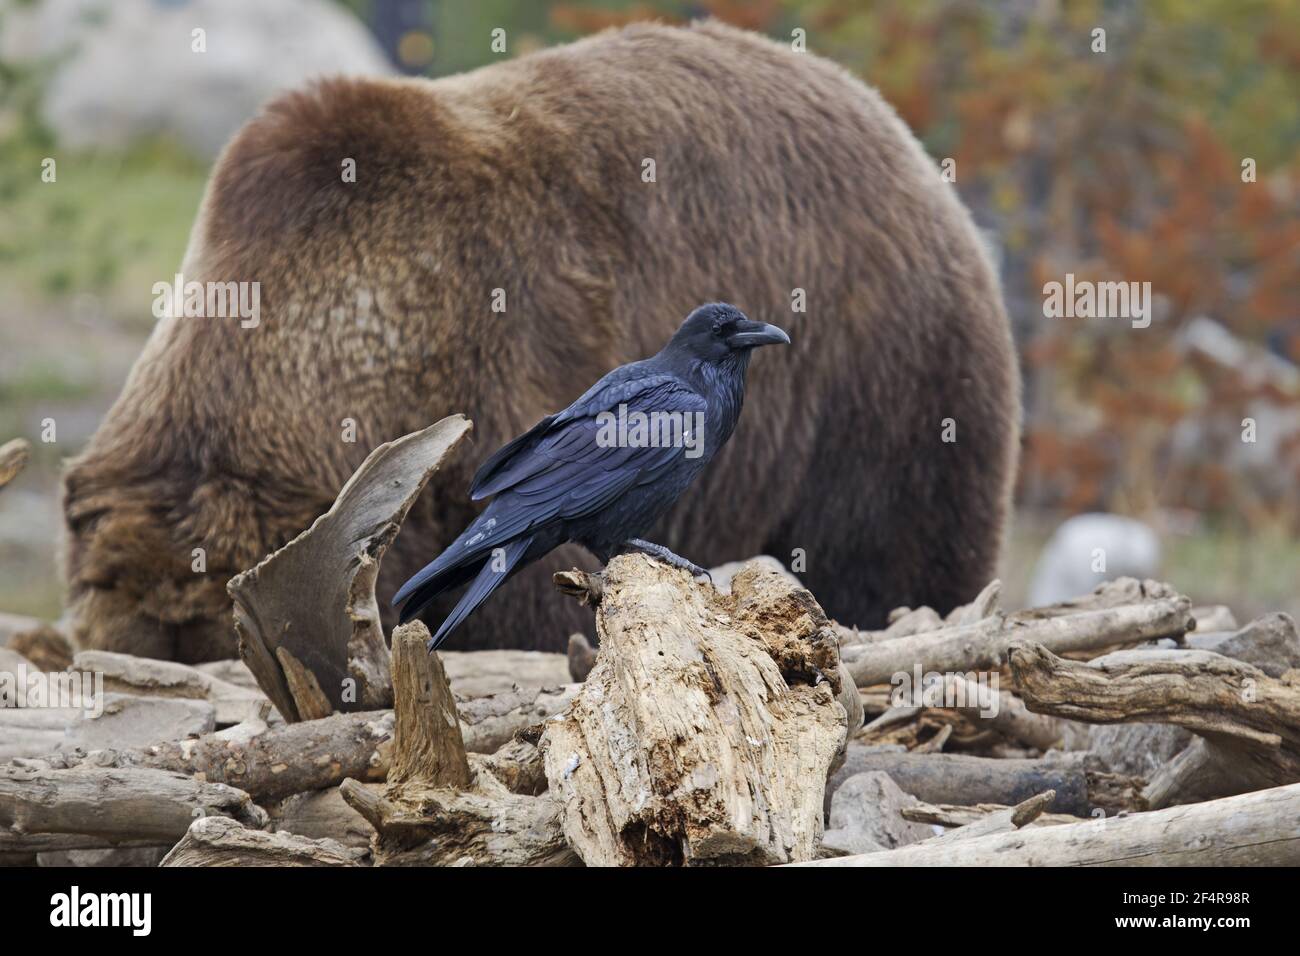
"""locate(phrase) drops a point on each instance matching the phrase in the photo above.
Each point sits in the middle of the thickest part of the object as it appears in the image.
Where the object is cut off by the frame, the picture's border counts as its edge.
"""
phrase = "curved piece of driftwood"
(705, 730)
(1249, 722)
(306, 616)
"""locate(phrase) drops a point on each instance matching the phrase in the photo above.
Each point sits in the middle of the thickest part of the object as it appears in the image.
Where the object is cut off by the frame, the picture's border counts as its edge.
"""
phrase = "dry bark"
(1255, 829)
(706, 729)
(999, 821)
(216, 841)
(433, 826)
(427, 745)
(14, 845)
(489, 723)
(274, 762)
(1012, 719)
(307, 617)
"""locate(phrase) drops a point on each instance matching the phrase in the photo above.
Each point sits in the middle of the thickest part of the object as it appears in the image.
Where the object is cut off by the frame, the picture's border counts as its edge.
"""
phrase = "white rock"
(132, 69)
(1065, 568)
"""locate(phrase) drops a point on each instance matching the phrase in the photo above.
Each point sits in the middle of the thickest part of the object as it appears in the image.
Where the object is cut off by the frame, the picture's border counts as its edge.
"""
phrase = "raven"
(601, 472)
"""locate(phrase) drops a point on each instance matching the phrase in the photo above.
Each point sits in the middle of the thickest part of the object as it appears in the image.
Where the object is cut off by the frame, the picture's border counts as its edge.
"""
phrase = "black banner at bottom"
(333, 905)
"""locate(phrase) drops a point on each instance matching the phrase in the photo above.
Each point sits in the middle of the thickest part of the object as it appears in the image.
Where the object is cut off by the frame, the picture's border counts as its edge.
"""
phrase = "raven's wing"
(562, 469)
(571, 435)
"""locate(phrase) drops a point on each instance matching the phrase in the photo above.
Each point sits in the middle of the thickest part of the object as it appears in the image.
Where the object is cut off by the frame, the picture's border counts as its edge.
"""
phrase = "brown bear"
(492, 244)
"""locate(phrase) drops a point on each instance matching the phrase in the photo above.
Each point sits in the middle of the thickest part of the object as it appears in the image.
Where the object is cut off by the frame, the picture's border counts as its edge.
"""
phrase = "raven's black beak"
(749, 334)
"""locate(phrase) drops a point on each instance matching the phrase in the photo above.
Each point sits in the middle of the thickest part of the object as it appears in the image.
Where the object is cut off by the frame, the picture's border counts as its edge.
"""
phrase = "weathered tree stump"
(705, 731)
(439, 807)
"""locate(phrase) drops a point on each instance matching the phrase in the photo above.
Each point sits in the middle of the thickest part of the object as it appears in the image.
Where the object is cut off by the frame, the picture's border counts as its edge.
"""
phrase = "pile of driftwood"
(728, 722)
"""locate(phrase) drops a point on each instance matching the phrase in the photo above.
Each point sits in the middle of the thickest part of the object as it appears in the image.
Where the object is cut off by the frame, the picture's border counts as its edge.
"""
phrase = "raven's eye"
(717, 329)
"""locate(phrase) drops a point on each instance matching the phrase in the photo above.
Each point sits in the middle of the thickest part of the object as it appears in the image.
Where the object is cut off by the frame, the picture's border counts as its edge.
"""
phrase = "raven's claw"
(666, 556)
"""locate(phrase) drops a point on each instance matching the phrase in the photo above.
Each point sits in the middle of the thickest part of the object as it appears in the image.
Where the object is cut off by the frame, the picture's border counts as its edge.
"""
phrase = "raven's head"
(718, 332)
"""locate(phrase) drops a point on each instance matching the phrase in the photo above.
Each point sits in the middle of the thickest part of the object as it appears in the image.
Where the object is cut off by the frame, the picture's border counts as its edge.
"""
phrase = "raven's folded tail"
(460, 562)
(494, 573)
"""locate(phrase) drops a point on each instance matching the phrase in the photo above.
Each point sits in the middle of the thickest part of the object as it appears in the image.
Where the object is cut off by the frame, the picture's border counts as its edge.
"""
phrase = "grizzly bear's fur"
(774, 171)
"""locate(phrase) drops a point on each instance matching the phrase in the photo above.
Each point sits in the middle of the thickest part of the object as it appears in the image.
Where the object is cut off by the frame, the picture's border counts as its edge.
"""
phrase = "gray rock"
(1269, 642)
(1136, 749)
(866, 815)
(1065, 568)
(131, 69)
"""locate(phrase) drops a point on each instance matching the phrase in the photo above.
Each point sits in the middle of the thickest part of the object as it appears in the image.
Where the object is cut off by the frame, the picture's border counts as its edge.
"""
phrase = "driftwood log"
(266, 763)
(1003, 820)
(438, 808)
(705, 731)
(956, 816)
(1248, 722)
(965, 779)
(307, 618)
(274, 762)
(145, 677)
(1011, 717)
(217, 841)
(1159, 612)
(1254, 829)
(114, 804)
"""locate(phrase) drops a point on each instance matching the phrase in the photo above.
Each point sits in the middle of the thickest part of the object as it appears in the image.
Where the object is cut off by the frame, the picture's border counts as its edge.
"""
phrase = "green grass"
(1252, 572)
(109, 226)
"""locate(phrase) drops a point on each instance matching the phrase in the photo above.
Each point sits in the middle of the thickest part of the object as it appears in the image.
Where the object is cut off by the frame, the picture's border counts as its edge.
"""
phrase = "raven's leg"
(664, 555)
